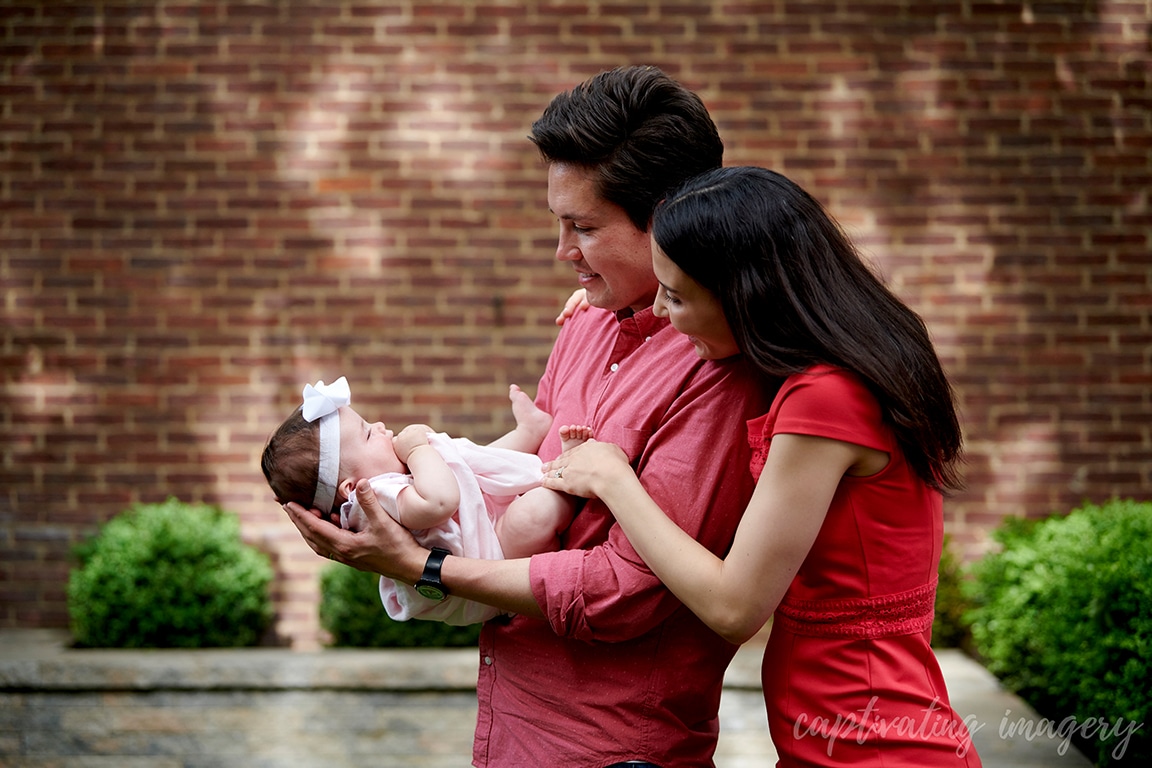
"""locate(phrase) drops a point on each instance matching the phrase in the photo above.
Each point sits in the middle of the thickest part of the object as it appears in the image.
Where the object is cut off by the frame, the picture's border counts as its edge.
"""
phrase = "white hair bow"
(323, 399)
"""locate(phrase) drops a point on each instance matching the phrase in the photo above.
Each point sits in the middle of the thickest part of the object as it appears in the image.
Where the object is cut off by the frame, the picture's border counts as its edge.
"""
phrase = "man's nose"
(566, 249)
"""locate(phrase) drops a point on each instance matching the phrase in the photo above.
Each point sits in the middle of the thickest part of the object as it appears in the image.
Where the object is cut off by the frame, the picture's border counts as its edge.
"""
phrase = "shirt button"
(488, 661)
(614, 367)
(647, 338)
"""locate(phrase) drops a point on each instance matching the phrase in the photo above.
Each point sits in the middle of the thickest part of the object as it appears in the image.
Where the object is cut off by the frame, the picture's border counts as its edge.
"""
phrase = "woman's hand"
(588, 469)
(577, 302)
(383, 546)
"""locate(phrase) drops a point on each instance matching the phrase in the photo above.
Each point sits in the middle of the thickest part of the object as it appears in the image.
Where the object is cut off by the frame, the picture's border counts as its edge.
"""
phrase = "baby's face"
(366, 450)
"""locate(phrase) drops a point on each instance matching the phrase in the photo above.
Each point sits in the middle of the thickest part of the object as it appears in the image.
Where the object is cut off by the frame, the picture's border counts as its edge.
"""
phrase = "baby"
(473, 500)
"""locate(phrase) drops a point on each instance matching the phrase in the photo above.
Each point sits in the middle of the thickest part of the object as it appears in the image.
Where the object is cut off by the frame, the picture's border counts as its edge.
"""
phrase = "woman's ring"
(560, 473)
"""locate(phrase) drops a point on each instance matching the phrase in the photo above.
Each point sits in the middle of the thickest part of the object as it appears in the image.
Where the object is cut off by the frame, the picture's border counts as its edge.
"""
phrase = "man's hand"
(383, 546)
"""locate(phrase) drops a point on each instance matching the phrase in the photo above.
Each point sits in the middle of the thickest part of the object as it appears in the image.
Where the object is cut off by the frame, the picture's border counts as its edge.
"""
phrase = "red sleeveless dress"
(849, 677)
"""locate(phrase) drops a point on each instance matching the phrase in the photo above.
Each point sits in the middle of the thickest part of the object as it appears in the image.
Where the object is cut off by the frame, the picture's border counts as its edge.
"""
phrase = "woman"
(842, 537)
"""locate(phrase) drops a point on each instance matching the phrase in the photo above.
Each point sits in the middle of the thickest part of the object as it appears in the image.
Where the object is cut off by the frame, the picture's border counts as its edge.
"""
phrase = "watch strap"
(431, 575)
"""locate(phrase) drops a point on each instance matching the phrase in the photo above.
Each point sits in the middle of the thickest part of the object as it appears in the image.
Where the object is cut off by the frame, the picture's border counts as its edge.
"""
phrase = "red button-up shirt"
(621, 670)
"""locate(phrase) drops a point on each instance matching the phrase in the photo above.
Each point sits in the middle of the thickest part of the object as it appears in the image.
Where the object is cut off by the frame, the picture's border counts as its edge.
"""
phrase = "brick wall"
(206, 204)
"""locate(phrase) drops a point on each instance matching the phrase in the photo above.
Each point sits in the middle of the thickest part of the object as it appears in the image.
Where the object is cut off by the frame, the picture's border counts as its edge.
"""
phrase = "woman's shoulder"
(820, 395)
(821, 401)
(823, 380)
(825, 372)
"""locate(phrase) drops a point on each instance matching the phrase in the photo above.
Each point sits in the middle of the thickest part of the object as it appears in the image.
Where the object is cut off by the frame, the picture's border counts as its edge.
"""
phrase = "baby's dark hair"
(291, 461)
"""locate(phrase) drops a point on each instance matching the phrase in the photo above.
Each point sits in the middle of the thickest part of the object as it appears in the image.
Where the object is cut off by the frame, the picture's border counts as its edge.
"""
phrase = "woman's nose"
(658, 307)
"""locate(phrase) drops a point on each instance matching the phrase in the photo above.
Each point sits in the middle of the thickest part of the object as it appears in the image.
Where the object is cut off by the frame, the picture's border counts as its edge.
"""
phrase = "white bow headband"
(322, 402)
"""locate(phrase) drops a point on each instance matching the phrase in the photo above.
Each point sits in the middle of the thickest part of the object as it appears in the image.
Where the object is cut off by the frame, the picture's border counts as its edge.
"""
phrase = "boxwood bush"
(1064, 617)
(351, 611)
(949, 627)
(169, 575)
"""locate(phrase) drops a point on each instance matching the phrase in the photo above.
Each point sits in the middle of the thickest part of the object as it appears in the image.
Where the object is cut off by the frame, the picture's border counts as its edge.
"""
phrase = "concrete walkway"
(274, 708)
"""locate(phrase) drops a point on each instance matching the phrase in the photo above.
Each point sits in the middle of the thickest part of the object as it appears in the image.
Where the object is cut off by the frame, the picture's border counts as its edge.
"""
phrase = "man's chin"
(597, 296)
(600, 297)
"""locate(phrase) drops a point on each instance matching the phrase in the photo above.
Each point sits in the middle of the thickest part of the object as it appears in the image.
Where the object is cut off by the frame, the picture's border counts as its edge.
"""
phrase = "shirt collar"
(645, 321)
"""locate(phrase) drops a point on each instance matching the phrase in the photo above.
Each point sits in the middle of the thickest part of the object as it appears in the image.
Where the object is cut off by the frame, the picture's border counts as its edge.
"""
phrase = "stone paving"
(274, 708)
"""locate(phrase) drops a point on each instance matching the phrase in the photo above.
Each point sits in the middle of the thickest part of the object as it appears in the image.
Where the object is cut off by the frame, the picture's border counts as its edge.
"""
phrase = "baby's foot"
(527, 415)
(572, 435)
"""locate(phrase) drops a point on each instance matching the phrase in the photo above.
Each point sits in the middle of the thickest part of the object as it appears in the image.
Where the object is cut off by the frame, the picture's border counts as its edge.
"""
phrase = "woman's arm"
(434, 494)
(736, 595)
(387, 548)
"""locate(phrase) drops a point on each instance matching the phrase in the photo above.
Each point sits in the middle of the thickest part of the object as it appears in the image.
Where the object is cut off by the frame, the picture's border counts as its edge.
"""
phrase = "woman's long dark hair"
(796, 293)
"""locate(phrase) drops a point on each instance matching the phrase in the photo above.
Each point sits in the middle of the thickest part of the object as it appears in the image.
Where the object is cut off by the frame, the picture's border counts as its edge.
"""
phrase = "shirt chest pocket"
(632, 441)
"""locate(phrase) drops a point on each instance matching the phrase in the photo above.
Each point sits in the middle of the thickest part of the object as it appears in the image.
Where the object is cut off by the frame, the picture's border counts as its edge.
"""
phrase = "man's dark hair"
(640, 130)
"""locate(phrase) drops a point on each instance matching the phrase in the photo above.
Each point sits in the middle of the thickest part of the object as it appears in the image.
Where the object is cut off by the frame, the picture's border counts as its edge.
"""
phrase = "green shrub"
(169, 575)
(351, 611)
(1064, 617)
(949, 630)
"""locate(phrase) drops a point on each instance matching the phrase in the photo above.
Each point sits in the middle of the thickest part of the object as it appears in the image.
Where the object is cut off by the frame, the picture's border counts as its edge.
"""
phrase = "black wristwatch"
(430, 585)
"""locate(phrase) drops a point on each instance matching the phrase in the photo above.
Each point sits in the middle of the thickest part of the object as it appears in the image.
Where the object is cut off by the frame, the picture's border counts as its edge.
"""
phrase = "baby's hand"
(409, 439)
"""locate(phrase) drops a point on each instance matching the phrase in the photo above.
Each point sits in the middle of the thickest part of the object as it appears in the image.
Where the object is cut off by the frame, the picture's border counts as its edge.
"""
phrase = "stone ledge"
(41, 660)
(245, 692)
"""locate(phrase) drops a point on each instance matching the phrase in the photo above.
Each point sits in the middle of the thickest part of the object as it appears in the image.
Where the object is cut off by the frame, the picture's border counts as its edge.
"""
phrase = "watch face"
(430, 592)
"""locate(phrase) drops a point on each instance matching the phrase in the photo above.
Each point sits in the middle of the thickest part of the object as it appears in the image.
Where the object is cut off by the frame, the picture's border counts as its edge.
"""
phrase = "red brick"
(227, 202)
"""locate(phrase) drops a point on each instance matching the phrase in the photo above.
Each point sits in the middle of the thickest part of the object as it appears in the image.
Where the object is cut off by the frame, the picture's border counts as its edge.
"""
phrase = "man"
(601, 665)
